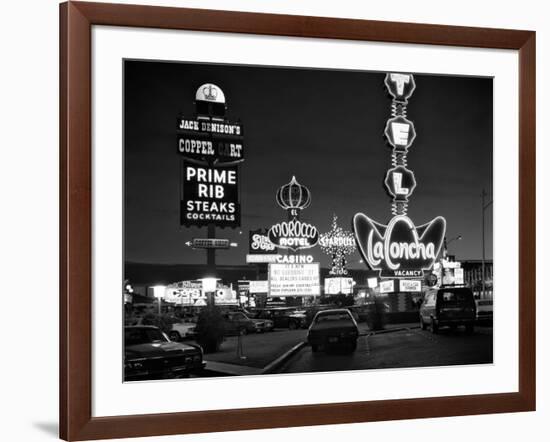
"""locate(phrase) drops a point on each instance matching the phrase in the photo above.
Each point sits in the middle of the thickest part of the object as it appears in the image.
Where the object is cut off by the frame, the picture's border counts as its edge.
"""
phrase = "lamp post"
(209, 285)
(446, 244)
(484, 206)
(159, 292)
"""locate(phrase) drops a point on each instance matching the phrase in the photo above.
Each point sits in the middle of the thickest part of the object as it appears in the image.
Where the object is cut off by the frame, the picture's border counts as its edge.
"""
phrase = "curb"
(391, 330)
(272, 366)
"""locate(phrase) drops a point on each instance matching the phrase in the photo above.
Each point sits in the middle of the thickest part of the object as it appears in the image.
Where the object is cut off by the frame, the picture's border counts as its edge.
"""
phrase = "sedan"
(149, 354)
(484, 310)
(333, 328)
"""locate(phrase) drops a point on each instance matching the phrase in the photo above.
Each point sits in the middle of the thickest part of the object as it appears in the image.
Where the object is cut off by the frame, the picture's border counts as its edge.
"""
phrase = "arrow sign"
(209, 243)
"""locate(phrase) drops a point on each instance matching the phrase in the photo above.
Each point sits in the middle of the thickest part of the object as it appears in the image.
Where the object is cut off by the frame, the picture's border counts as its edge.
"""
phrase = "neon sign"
(399, 249)
(400, 183)
(259, 243)
(293, 235)
(337, 243)
(210, 136)
(210, 195)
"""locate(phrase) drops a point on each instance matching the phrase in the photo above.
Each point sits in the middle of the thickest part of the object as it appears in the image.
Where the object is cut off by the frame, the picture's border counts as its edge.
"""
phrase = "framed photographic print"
(273, 220)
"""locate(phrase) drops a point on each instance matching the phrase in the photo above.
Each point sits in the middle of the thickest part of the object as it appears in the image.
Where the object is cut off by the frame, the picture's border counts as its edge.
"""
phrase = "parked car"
(182, 330)
(237, 323)
(333, 327)
(448, 306)
(149, 354)
(282, 317)
(484, 310)
(298, 319)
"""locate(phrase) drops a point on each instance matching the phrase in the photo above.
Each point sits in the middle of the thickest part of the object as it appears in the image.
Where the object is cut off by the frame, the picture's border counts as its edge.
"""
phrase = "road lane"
(407, 348)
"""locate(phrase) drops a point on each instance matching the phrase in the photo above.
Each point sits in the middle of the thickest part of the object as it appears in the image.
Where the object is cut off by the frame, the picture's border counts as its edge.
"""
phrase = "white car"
(484, 309)
(182, 330)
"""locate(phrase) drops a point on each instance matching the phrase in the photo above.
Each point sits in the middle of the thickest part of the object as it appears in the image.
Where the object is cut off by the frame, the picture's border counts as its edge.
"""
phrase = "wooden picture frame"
(76, 21)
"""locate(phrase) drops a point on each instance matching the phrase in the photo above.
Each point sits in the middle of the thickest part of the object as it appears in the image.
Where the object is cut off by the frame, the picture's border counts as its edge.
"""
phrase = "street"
(411, 347)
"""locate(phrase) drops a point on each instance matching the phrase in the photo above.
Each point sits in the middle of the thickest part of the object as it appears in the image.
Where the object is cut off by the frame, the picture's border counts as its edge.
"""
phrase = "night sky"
(323, 126)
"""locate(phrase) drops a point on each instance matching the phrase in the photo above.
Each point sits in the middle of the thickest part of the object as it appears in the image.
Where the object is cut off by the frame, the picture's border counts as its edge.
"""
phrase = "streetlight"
(446, 244)
(483, 208)
(209, 285)
(159, 291)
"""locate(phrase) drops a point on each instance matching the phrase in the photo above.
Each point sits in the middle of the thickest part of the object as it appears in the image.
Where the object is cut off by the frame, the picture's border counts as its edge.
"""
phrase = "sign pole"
(211, 252)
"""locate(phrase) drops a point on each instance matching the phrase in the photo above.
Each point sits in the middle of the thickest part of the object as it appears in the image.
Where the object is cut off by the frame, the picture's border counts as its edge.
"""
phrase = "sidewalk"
(263, 353)
(259, 352)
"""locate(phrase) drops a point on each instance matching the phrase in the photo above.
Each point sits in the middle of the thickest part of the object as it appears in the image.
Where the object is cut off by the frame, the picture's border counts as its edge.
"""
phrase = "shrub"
(164, 322)
(210, 328)
(376, 317)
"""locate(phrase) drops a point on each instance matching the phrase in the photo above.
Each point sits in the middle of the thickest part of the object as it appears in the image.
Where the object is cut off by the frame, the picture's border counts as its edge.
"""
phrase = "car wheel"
(175, 336)
(292, 325)
(314, 348)
(434, 327)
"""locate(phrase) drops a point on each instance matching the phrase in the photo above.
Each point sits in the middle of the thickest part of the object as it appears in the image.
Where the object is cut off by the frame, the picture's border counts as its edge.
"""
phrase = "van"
(448, 306)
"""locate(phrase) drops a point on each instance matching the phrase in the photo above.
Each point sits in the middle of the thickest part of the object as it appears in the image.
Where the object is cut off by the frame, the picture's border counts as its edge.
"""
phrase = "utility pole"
(483, 207)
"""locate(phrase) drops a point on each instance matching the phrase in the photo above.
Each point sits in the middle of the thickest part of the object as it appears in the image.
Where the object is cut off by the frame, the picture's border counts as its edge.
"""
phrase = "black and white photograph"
(283, 220)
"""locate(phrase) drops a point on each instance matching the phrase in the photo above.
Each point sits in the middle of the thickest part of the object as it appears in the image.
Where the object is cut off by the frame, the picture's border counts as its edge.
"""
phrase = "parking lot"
(408, 347)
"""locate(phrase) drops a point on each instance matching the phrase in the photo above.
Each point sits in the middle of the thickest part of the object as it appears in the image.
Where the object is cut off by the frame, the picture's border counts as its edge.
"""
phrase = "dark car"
(149, 354)
(448, 306)
(333, 328)
(237, 323)
(282, 317)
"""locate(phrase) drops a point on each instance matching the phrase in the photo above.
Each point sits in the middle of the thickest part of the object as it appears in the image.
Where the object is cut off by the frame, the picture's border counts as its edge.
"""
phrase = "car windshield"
(455, 297)
(135, 336)
(333, 316)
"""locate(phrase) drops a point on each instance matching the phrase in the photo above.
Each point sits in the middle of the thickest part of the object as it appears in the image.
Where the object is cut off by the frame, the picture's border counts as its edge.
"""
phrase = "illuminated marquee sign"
(210, 195)
(293, 235)
(294, 280)
(284, 259)
(258, 286)
(261, 258)
(399, 249)
(410, 286)
(335, 286)
(387, 286)
(210, 243)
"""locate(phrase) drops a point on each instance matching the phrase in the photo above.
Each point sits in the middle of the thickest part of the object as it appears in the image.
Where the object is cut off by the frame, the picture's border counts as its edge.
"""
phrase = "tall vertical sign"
(399, 249)
(211, 147)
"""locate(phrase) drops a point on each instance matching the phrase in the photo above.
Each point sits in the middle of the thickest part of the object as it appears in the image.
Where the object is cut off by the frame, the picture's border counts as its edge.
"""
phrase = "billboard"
(334, 286)
(407, 285)
(294, 280)
(210, 195)
(387, 286)
(258, 286)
